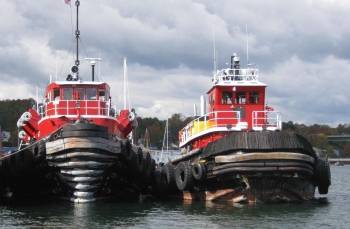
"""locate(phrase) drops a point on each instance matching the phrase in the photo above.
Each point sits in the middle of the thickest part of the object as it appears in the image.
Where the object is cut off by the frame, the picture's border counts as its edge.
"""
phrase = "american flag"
(67, 2)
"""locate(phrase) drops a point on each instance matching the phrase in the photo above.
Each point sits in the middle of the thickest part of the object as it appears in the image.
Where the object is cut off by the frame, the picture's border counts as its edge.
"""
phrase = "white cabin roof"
(78, 82)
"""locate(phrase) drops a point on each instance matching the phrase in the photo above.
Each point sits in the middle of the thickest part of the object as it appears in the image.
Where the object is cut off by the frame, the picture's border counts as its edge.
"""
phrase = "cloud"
(307, 91)
(301, 48)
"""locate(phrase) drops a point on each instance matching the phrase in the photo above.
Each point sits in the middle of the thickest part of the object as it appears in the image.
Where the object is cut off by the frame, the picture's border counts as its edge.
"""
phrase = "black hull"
(252, 167)
(81, 163)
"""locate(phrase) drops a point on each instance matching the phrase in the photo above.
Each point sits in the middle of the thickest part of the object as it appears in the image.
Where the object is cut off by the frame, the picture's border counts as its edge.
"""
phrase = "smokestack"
(194, 110)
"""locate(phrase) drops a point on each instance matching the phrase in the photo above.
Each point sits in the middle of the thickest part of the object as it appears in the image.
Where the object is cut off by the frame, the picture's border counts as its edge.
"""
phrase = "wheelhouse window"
(254, 97)
(91, 93)
(102, 96)
(226, 97)
(241, 97)
(67, 93)
(80, 93)
(56, 94)
(211, 99)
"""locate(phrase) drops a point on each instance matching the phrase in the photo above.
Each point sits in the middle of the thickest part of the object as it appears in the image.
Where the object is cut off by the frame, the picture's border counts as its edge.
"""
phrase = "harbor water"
(330, 212)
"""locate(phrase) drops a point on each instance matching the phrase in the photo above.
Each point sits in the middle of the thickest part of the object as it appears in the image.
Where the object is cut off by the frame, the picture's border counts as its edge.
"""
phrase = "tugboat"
(77, 143)
(238, 151)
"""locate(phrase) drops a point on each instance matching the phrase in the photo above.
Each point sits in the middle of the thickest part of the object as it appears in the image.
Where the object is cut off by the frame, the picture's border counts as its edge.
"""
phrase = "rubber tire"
(126, 150)
(168, 172)
(183, 176)
(140, 164)
(160, 186)
(198, 171)
(36, 150)
(146, 173)
(322, 175)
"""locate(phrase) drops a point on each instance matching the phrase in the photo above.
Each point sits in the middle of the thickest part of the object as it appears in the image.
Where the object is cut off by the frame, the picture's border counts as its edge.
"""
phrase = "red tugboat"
(80, 141)
(238, 151)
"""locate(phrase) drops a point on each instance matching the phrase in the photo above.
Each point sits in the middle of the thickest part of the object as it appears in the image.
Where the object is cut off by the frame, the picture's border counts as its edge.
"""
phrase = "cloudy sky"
(302, 49)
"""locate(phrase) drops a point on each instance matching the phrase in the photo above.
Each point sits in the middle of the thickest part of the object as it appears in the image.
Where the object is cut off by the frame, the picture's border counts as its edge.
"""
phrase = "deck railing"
(230, 121)
(266, 120)
(227, 119)
(75, 107)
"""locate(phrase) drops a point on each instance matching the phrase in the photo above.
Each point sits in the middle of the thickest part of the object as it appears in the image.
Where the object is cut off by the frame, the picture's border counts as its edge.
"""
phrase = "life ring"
(183, 176)
(198, 171)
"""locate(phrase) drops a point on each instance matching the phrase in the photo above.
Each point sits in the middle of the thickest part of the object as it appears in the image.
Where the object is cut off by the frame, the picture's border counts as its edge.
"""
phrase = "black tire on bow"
(183, 176)
(147, 163)
(126, 150)
(198, 171)
(160, 186)
(36, 150)
(140, 163)
(168, 174)
(322, 175)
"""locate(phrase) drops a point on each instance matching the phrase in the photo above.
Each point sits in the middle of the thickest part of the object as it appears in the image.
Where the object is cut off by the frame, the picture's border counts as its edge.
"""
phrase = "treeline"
(150, 131)
(317, 135)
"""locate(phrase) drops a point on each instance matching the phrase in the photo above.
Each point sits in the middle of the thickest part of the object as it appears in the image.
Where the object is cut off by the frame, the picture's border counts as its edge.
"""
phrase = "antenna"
(77, 34)
(214, 53)
(125, 78)
(56, 68)
(93, 62)
(37, 98)
(99, 67)
(75, 68)
(247, 43)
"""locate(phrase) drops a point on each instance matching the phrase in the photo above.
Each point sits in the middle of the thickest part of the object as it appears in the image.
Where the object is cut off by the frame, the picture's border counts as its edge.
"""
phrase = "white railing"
(266, 120)
(73, 107)
(230, 120)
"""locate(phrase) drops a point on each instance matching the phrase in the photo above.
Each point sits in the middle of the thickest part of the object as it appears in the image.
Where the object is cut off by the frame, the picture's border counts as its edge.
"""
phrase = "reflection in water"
(330, 212)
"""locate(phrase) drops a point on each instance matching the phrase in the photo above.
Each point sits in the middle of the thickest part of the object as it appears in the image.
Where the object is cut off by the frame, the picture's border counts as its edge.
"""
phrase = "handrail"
(266, 120)
(261, 120)
(66, 107)
(209, 121)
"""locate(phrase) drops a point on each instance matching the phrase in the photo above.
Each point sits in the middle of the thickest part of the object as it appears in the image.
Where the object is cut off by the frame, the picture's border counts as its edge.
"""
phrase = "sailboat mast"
(77, 34)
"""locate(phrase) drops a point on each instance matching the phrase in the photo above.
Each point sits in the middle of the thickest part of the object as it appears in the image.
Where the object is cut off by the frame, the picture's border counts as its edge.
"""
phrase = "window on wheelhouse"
(67, 93)
(226, 97)
(91, 93)
(254, 97)
(241, 97)
(80, 93)
(56, 94)
(102, 95)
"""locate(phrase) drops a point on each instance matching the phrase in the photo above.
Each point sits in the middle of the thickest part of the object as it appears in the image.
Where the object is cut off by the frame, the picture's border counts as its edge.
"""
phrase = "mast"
(77, 34)
(75, 68)
(247, 43)
(125, 83)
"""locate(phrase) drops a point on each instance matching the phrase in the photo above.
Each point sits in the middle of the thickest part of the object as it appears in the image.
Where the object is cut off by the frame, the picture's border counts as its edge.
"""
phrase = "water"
(332, 212)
